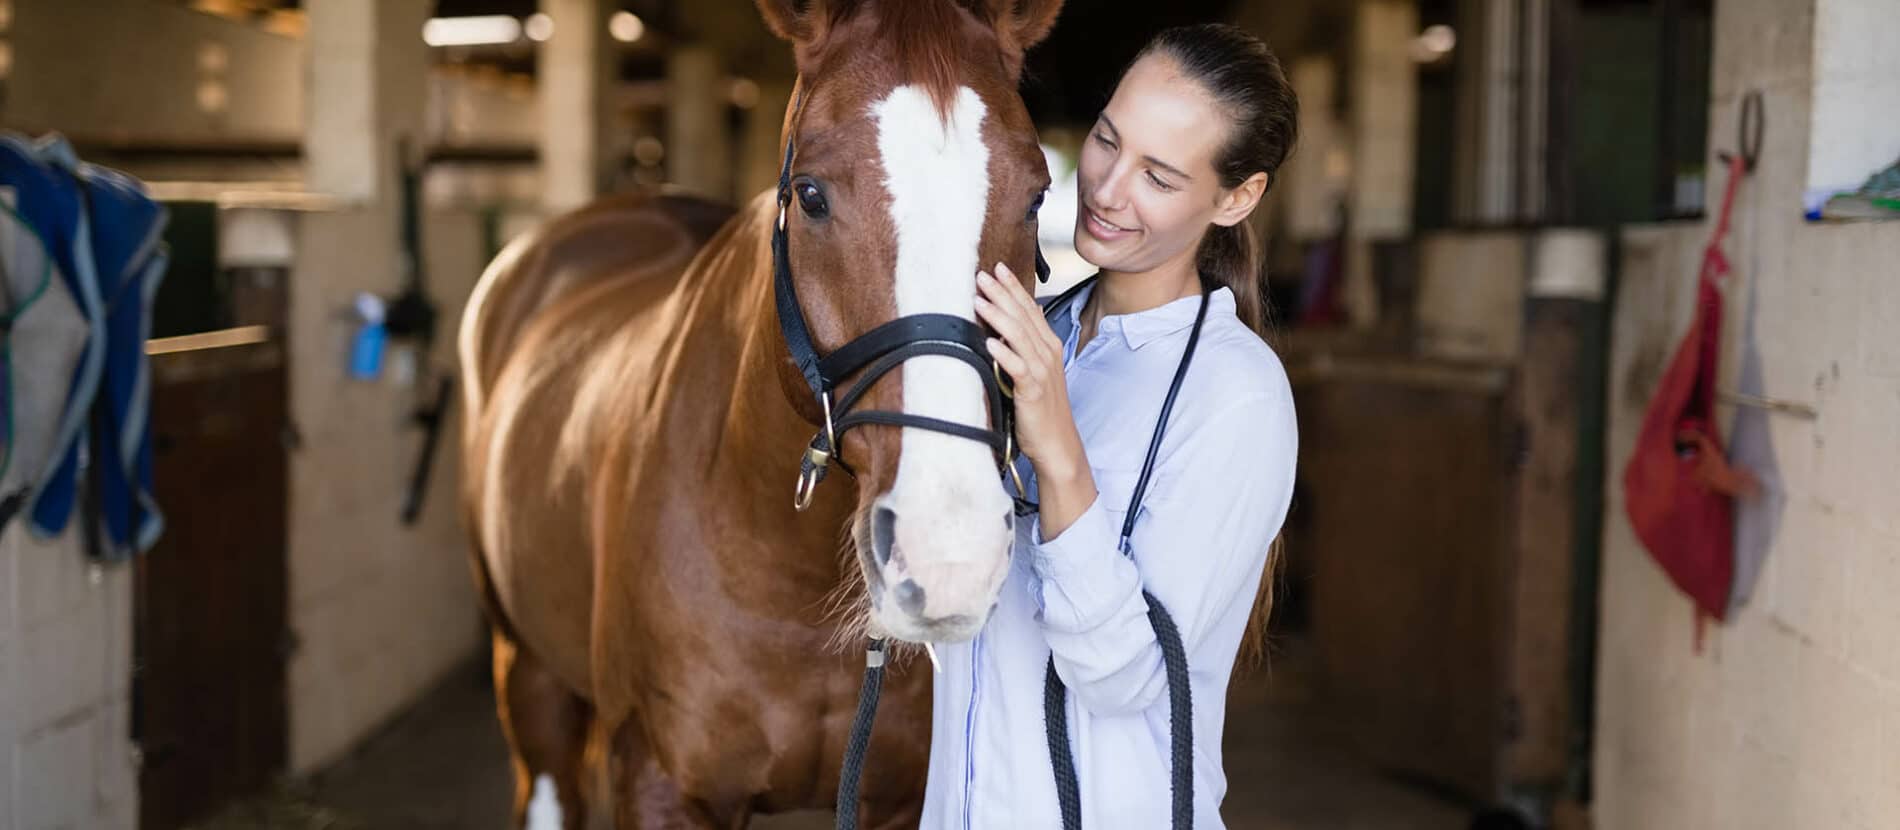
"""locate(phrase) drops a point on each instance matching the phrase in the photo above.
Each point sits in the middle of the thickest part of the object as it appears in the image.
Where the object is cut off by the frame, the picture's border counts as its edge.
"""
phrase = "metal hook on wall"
(1748, 132)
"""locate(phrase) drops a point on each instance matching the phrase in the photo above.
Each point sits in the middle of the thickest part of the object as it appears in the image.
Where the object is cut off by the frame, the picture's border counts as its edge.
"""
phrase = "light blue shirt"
(1218, 495)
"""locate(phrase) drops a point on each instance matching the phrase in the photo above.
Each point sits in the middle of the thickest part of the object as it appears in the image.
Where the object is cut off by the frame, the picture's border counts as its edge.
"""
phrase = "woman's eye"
(1035, 206)
(1103, 140)
(811, 199)
(1158, 182)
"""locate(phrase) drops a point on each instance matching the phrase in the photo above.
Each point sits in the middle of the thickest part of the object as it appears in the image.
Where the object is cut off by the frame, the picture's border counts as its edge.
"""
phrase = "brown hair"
(1240, 73)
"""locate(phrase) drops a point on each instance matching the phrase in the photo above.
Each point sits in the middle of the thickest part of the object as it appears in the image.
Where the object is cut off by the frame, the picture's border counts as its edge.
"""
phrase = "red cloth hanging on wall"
(1678, 486)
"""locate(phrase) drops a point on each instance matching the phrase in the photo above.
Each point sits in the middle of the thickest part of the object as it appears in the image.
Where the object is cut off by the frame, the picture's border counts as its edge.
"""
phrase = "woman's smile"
(1103, 229)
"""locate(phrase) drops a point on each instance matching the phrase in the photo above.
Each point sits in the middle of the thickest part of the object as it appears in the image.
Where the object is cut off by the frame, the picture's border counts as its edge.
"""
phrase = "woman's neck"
(1132, 292)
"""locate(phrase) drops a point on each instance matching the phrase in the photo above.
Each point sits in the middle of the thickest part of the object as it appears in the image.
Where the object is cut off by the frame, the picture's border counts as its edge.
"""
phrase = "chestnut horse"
(665, 625)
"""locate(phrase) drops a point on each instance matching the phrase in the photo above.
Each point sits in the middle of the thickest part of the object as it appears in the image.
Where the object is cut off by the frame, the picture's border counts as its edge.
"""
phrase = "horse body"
(590, 432)
(663, 617)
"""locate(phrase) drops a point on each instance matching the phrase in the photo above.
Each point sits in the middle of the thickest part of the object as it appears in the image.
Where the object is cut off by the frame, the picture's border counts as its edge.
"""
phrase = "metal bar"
(1785, 407)
(222, 338)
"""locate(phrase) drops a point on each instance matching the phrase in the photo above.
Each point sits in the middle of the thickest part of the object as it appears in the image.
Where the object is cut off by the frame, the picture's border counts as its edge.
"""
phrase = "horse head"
(916, 163)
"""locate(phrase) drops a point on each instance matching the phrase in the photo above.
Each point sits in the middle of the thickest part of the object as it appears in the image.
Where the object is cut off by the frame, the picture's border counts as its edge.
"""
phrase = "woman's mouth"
(1103, 229)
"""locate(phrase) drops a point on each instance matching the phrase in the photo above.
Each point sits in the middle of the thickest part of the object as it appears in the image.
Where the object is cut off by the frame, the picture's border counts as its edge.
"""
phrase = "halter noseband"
(875, 354)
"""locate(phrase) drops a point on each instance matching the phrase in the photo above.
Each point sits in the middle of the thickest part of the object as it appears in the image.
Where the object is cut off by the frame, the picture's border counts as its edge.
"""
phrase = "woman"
(1178, 160)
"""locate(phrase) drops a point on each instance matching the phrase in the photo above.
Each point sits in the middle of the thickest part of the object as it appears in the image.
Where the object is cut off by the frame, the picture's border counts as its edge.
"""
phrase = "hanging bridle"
(875, 354)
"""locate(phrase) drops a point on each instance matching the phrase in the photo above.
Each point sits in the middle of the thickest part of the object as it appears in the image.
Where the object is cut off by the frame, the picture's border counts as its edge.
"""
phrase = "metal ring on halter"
(807, 485)
(808, 478)
(1009, 460)
(1003, 382)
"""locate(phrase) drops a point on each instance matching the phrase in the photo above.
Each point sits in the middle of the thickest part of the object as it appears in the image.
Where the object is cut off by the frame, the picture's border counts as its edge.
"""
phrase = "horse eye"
(811, 199)
(1035, 205)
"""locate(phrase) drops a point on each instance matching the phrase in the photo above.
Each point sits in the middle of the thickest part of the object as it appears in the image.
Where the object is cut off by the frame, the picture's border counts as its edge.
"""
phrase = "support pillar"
(1499, 170)
(1383, 134)
(764, 124)
(368, 71)
(1314, 177)
(576, 76)
(698, 144)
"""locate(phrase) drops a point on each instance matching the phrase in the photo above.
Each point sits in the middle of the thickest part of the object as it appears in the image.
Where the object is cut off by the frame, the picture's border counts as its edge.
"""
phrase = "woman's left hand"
(1028, 350)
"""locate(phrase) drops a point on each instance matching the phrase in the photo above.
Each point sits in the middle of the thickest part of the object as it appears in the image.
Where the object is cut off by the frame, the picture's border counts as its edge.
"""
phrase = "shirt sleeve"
(1212, 509)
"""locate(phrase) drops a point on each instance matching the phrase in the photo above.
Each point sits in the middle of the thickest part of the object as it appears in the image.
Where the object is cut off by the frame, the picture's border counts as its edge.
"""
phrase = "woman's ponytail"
(1230, 257)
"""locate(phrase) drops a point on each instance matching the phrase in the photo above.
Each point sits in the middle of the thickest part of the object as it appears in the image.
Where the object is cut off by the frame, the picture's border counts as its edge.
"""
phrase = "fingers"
(1028, 378)
(1015, 290)
(1007, 358)
(1002, 313)
(1026, 302)
(1014, 314)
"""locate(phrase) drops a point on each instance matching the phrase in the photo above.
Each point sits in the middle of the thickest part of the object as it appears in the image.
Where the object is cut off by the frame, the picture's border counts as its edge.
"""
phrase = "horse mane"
(928, 39)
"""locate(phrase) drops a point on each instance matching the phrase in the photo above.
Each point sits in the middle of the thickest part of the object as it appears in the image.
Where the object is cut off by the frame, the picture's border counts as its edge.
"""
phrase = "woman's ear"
(1021, 24)
(1235, 204)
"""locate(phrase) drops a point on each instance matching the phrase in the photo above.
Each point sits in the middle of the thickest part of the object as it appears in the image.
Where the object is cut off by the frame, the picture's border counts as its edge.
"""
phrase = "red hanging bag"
(1678, 487)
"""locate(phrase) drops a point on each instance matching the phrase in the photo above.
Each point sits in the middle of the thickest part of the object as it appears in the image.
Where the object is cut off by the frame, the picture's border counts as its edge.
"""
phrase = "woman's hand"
(1028, 350)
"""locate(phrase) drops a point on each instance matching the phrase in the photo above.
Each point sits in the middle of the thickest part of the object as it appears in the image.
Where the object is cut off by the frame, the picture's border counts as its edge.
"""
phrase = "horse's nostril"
(909, 596)
(883, 534)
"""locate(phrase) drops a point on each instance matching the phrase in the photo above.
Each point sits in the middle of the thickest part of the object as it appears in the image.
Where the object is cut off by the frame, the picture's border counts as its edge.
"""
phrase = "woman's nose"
(1106, 191)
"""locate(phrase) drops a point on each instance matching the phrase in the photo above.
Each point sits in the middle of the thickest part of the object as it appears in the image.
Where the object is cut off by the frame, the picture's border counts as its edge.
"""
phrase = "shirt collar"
(1144, 327)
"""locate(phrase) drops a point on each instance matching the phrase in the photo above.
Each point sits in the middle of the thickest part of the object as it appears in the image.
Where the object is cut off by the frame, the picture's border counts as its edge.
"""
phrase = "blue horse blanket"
(102, 236)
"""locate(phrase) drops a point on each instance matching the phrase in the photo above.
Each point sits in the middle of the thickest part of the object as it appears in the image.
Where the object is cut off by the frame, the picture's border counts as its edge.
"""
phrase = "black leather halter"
(874, 354)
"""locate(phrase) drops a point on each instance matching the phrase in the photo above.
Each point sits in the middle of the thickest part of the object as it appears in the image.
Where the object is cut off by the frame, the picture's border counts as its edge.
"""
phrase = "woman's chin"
(1105, 256)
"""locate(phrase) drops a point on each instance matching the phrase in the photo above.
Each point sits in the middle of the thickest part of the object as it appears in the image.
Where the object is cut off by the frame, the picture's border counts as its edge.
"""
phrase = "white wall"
(1856, 123)
(1790, 717)
(65, 682)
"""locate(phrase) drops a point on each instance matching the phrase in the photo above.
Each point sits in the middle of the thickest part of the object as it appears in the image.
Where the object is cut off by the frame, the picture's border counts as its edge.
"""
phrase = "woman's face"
(1146, 184)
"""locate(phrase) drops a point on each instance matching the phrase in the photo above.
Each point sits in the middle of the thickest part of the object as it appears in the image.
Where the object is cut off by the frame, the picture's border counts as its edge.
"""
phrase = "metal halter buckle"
(817, 461)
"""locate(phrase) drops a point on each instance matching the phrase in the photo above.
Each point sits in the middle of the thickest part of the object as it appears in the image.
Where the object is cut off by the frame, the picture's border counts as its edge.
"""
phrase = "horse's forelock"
(929, 40)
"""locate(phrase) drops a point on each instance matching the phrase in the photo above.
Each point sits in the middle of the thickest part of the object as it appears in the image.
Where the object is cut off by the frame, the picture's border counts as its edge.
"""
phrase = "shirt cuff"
(1077, 585)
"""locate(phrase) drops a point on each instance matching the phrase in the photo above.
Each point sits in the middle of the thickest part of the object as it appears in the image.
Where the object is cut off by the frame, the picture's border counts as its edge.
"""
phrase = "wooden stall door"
(1408, 470)
(210, 609)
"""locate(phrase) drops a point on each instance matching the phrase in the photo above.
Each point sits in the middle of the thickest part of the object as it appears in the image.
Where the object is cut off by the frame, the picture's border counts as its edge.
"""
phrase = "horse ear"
(1021, 24)
(1029, 21)
(787, 20)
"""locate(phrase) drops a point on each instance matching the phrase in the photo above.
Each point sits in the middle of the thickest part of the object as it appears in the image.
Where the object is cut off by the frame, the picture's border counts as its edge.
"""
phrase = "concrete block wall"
(1790, 715)
(66, 755)
(381, 611)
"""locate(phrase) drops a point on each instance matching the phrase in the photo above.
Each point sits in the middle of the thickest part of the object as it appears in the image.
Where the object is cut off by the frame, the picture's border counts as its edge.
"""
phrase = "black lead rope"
(853, 773)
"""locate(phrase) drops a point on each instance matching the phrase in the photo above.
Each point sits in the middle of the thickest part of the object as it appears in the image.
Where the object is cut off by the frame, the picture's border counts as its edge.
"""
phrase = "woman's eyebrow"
(1171, 169)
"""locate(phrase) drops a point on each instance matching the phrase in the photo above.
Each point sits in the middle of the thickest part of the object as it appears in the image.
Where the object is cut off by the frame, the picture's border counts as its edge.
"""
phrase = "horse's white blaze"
(950, 506)
(544, 809)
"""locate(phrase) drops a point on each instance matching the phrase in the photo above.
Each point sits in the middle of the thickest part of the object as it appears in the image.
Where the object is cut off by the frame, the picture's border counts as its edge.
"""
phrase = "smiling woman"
(1161, 435)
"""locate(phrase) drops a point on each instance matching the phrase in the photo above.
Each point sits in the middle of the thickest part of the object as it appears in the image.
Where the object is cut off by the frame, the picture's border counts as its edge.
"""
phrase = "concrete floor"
(443, 767)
